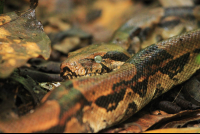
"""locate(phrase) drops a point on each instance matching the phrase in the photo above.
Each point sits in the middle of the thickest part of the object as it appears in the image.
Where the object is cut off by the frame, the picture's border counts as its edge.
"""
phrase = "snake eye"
(98, 59)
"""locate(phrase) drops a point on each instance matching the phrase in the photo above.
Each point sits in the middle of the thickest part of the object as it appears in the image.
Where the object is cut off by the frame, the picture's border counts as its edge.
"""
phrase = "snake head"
(93, 60)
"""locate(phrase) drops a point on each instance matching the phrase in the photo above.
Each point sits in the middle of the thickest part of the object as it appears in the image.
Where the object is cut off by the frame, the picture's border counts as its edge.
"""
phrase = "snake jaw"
(86, 67)
(71, 71)
(80, 69)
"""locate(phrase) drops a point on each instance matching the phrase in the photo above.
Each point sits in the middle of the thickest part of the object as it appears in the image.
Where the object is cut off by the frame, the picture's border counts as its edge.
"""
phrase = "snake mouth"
(67, 73)
(68, 76)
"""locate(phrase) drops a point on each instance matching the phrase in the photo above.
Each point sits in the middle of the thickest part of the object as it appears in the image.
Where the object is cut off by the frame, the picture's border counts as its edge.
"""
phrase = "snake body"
(139, 32)
(90, 104)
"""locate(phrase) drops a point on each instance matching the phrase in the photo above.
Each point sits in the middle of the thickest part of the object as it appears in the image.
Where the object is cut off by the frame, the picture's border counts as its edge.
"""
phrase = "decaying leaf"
(70, 39)
(21, 38)
(40, 76)
(144, 121)
(170, 3)
(49, 66)
(67, 44)
(175, 130)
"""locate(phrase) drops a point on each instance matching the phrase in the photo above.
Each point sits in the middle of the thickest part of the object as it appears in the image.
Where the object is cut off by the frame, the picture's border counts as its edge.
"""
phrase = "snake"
(90, 104)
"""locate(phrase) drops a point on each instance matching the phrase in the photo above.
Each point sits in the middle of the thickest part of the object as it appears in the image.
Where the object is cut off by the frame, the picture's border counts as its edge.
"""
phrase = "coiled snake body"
(90, 104)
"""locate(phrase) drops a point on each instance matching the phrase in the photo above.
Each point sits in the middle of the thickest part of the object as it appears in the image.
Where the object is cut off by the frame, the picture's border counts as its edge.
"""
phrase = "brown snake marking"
(90, 104)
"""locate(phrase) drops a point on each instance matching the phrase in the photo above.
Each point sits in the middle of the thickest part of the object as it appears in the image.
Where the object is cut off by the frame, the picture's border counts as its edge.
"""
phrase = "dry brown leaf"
(174, 3)
(21, 38)
(144, 120)
(67, 44)
(175, 130)
(141, 122)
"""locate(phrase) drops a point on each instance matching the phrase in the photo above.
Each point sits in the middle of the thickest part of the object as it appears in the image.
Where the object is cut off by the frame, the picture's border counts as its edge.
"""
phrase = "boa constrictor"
(90, 104)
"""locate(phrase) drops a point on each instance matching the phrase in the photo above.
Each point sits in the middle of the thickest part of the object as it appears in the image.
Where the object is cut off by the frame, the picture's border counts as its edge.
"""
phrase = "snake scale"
(90, 104)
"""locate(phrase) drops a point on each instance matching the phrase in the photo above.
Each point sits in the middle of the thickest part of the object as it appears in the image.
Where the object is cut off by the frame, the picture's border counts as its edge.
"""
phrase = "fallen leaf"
(174, 3)
(70, 39)
(144, 120)
(40, 76)
(21, 38)
(175, 130)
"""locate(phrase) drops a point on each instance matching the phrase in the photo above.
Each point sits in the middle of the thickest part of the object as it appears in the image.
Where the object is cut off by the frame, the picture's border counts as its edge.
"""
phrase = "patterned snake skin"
(90, 104)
